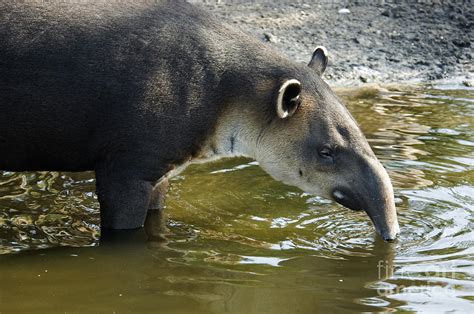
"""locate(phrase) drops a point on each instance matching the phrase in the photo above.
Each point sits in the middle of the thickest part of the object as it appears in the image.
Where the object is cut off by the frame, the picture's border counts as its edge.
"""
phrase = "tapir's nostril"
(390, 236)
(338, 195)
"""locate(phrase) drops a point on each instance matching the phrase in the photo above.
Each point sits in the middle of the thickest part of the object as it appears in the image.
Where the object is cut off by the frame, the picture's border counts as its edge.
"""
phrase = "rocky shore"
(368, 41)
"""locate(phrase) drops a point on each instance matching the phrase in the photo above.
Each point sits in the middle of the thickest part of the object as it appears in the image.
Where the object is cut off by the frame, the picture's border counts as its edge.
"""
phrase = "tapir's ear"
(319, 61)
(288, 98)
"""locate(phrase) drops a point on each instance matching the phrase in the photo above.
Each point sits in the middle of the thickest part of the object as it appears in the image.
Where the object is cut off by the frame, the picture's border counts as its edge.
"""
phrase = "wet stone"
(468, 83)
(269, 37)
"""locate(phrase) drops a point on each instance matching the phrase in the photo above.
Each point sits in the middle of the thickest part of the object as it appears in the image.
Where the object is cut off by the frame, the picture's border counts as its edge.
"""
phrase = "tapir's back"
(73, 76)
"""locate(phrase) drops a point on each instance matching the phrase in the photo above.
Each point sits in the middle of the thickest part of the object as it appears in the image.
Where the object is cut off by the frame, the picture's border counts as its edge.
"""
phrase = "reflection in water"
(47, 209)
(240, 242)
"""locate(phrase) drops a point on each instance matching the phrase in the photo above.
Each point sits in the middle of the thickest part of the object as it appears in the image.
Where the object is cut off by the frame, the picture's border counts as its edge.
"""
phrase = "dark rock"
(462, 42)
(422, 62)
(361, 41)
(466, 24)
(392, 13)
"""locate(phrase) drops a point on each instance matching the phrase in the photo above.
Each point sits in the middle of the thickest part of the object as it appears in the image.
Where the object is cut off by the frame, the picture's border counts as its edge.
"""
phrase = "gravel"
(368, 41)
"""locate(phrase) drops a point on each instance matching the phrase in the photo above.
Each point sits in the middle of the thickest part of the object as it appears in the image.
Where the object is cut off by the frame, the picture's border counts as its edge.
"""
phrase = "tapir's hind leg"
(123, 199)
(155, 224)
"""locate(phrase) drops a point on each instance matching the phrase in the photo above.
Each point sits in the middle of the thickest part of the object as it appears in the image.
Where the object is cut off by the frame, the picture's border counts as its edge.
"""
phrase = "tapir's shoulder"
(113, 25)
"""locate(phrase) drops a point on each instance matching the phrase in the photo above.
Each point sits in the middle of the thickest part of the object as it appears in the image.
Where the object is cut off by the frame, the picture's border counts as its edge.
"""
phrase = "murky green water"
(242, 243)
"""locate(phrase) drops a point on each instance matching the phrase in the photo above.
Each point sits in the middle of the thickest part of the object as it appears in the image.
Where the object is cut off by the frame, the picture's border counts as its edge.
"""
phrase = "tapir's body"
(135, 90)
(84, 84)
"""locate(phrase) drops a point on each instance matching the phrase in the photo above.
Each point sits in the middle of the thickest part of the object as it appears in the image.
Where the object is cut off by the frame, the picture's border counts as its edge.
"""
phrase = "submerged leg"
(123, 198)
(155, 225)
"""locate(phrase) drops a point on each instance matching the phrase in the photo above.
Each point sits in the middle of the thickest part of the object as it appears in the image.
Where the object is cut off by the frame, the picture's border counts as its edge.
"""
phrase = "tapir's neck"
(234, 136)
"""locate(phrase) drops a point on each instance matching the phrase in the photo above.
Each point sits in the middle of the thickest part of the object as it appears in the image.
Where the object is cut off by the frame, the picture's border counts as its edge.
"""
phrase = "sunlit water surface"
(240, 242)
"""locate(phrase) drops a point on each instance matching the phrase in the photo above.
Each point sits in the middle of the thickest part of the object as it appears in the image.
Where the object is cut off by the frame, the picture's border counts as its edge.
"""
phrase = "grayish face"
(317, 146)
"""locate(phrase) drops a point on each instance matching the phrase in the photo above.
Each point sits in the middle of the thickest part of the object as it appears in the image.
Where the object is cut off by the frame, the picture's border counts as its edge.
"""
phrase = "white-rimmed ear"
(319, 60)
(288, 98)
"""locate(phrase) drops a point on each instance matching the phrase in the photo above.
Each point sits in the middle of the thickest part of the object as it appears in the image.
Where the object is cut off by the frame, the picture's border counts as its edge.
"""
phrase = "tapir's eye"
(327, 153)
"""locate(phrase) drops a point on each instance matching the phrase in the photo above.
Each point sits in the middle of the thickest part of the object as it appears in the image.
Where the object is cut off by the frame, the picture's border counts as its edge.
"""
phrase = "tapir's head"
(314, 143)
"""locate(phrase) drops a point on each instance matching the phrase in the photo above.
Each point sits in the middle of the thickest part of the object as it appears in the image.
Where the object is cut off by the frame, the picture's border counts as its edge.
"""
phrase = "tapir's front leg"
(155, 224)
(124, 199)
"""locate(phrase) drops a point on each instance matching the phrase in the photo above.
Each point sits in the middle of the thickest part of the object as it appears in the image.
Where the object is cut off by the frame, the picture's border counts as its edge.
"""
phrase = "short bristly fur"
(137, 90)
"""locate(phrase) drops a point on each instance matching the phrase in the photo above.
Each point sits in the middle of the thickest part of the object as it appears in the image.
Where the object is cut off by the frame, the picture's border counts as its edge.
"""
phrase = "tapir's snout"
(382, 212)
(375, 196)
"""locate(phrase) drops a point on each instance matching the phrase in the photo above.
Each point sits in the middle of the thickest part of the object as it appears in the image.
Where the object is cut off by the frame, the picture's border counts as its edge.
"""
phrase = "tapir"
(137, 90)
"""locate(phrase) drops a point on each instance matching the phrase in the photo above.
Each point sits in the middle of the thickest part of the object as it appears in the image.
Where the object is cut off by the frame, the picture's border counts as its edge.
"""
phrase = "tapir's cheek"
(309, 152)
(312, 181)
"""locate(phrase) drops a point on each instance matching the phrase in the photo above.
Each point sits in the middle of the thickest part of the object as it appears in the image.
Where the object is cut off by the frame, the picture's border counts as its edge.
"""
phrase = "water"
(240, 242)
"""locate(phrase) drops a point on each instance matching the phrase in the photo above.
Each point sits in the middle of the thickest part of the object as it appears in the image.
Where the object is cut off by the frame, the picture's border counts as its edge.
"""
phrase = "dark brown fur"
(133, 90)
(126, 89)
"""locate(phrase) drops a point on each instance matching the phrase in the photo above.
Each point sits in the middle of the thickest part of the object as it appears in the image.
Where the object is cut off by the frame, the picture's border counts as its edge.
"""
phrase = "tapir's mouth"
(387, 234)
(387, 228)
(348, 199)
